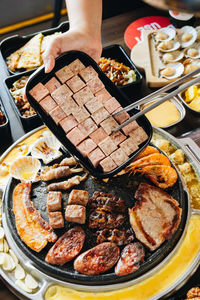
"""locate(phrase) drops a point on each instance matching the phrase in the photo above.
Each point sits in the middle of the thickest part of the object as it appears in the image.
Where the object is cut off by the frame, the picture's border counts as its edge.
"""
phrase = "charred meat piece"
(132, 257)
(67, 247)
(155, 216)
(75, 213)
(34, 231)
(56, 219)
(67, 184)
(107, 202)
(97, 260)
(118, 236)
(54, 201)
(78, 197)
(56, 172)
(101, 219)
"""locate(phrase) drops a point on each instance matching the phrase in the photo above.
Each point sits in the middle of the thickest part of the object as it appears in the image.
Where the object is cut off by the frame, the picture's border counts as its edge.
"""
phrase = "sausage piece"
(67, 247)
(97, 260)
(131, 258)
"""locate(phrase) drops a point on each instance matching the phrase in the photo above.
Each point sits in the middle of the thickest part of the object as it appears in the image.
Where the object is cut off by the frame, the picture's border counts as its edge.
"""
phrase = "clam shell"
(25, 168)
(172, 56)
(183, 32)
(198, 33)
(187, 51)
(46, 148)
(178, 67)
(164, 46)
(165, 34)
(191, 65)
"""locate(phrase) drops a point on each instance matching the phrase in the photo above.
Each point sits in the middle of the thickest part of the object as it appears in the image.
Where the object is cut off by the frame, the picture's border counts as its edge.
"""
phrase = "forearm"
(85, 15)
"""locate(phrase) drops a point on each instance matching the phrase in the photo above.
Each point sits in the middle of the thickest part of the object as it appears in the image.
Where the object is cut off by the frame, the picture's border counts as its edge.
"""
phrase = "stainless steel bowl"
(193, 111)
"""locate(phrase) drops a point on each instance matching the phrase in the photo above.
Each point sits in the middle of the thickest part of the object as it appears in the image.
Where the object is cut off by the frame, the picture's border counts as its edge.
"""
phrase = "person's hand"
(71, 40)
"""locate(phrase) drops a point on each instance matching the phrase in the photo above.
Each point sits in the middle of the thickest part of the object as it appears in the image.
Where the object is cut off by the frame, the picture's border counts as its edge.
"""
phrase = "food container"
(182, 98)
(118, 53)
(178, 105)
(11, 44)
(62, 61)
(27, 122)
(5, 128)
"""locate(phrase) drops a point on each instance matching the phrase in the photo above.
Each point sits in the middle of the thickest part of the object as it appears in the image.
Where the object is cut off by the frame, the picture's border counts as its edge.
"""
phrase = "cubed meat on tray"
(130, 127)
(75, 84)
(109, 124)
(54, 201)
(98, 135)
(38, 92)
(129, 146)
(124, 116)
(69, 106)
(107, 146)
(75, 136)
(139, 135)
(52, 84)
(75, 213)
(117, 137)
(83, 96)
(61, 94)
(56, 219)
(119, 157)
(68, 123)
(86, 146)
(108, 164)
(89, 125)
(48, 104)
(79, 197)
(100, 115)
(96, 156)
(76, 66)
(93, 105)
(111, 105)
(57, 114)
(81, 114)
(64, 74)
(103, 95)
(88, 73)
(95, 85)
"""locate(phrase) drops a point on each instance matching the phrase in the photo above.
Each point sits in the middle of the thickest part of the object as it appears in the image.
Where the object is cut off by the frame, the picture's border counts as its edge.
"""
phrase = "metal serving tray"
(5, 128)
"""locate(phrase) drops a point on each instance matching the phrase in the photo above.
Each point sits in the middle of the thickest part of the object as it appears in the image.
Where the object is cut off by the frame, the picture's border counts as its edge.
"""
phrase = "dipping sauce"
(163, 115)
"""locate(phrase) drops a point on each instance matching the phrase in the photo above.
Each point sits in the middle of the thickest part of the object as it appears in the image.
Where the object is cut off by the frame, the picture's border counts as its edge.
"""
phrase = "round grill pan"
(122, 186)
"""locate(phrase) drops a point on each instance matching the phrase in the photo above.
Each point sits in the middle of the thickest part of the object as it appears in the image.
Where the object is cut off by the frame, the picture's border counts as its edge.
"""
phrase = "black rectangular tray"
(13, 43)
(5, 128)
(66, 59)
(119, 54)
(27, 122)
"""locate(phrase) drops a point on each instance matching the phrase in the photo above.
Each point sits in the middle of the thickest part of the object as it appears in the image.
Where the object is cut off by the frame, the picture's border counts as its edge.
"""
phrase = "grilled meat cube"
(54, 201)
(56, 219)
(75, 213)
(78, 197)
(101, 219)
(118, 236)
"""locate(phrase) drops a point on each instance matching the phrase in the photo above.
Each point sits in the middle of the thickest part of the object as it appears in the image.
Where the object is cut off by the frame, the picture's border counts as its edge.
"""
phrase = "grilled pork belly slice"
(155, 216)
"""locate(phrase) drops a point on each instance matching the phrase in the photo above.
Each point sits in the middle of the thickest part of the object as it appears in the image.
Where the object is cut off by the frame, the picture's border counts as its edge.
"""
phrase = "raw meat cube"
(95, 85)
(48, 104)
(119, 157)
(129, 146)
(122, 117)
(70, 106)
(103, 95)
(54, 201)
(83, 96)
(117, 137)
(52, 84)
(89, 125)
(56, 219)
(100, 115)
(86, 147)
(88, 73)
(81, 114)
(96, 156)
(68, 123)
(78, 197)
(111, 105)
(61, 94)
(64, 74)
(39, 92)
(75, 136)
(98, 135)
(75, 213)
(109, 124)
(93, 105)
(75, 84)
(76, 66)
(57, 114)
(107, 146)
(108, 164)
(130, 127)
(139, 135)
(83, 130)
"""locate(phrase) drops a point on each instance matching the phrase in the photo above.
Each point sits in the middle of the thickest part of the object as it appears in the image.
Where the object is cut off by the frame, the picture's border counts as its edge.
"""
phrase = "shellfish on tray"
(25, 168)
(172, 70)
(198, 33)
(165, 34)
(168, 46)
(172, 56)
(46, 149)
(193, 51)
(187, 35)
(191, 65)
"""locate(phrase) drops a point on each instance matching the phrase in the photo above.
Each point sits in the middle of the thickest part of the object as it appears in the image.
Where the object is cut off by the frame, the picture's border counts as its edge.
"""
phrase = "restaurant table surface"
(112, 33)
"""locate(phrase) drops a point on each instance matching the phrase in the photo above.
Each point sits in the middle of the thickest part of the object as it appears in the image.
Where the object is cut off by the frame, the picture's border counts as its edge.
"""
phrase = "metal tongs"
(157, 93)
